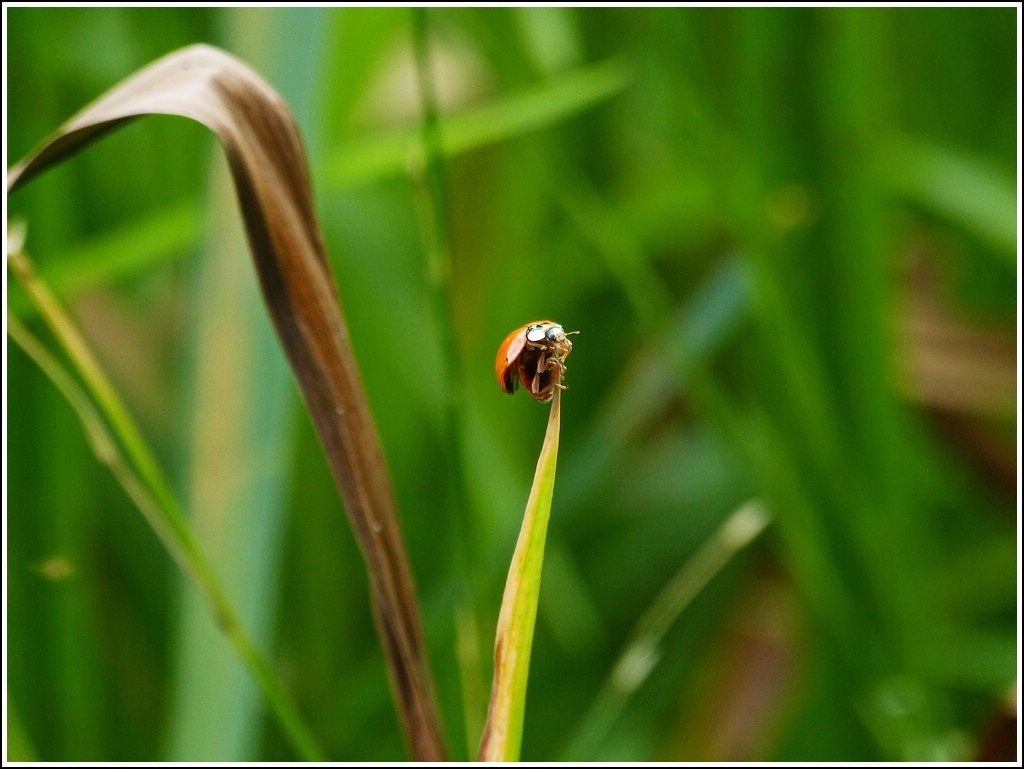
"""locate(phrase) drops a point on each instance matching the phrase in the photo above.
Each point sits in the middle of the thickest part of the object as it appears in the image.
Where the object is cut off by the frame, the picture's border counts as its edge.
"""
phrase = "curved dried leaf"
(269, 167)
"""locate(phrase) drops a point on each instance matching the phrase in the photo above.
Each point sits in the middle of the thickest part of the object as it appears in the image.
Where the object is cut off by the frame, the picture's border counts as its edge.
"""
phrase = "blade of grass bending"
(641, 655)
(142, 481)
(503, 732)
(271, 176)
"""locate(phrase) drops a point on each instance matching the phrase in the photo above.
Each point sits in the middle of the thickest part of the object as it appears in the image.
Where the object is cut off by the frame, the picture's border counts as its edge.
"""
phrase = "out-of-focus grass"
(741, 230)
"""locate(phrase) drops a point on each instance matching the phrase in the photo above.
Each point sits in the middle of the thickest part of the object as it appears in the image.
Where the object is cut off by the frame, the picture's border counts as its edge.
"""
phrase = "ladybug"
(531, 355)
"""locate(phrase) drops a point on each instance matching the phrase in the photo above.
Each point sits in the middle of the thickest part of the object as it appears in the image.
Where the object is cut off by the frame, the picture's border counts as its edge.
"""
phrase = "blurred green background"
(788, 238)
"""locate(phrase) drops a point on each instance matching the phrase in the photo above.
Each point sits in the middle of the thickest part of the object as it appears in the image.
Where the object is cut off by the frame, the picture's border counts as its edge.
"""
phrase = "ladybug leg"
(546, 363)
(559, 361)
(561, 373)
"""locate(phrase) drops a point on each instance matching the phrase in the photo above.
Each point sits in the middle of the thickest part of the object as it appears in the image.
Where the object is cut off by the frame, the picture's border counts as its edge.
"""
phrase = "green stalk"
(503, 733)
(432, 204)
(642, 652)
(138, 473)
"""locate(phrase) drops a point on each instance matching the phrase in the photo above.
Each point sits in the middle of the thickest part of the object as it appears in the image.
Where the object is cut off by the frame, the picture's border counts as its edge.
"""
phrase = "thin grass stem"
(118, 444)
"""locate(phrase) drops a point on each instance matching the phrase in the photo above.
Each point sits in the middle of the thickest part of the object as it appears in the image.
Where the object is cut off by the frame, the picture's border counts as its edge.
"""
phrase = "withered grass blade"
(270, 171)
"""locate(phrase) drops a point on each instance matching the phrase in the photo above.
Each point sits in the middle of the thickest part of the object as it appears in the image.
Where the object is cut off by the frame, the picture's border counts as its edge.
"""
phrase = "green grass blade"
(98, 384)
(513, 641)
(137, 472)
(641, 654)
(236, 483)
(530, 110)
(957, 186)
(435, 226)
(242, 407)
(156, 238)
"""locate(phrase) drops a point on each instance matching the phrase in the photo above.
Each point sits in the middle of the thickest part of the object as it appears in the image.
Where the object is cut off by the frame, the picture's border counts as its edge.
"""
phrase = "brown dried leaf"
(269, 167)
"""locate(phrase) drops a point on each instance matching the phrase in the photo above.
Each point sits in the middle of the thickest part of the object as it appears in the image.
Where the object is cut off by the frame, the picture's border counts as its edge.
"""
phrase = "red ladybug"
(531, 355)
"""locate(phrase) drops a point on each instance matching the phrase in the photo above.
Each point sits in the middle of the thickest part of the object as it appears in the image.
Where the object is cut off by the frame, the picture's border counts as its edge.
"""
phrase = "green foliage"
(785, 237)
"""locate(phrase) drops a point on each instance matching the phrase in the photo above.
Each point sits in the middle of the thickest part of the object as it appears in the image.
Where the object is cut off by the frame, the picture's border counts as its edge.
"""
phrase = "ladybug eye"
(555, 333)
(535, 333)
